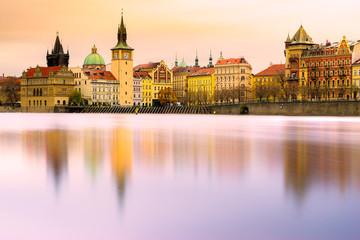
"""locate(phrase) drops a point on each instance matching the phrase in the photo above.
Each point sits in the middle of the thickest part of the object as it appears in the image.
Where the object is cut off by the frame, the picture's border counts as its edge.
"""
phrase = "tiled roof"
(231, 60)
(44, 70)
(274, 70)
(150, 65)
(142, 74)
(98, 74)
(186, 69)
(4, 79)
(203, 72)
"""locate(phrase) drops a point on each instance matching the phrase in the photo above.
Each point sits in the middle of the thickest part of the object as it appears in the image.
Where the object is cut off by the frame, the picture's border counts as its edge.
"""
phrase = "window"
(354, 72)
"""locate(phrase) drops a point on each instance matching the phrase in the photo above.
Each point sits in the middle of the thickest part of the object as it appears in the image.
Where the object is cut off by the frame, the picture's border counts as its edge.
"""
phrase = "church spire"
(196, 59)
(122, 35)
(210, 60)
(176, 61)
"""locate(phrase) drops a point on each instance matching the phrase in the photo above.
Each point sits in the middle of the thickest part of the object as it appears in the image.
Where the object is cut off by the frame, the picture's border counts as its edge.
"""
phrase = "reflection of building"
(56, 153)
(42, 88)
(121, 150)
(122, 66)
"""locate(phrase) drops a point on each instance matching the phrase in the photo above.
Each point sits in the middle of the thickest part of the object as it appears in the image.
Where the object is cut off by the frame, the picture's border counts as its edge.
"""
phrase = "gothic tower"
(57, 56)
(122, 65)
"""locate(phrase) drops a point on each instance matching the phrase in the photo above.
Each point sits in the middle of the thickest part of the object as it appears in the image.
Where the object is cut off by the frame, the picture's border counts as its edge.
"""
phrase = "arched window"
(29, 103)
(64, 102)
(40, 91)
(58, 101)
(40, 102)
(34, 92)
(45, 103)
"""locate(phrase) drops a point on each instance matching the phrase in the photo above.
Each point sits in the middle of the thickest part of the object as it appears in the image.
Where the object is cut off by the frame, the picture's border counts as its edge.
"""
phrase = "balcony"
(314, 68)
(293, 78)
(313, 78)
(293, 59)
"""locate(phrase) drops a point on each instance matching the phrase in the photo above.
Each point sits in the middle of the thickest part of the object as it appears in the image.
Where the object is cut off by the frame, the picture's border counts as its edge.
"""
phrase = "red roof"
(98, 74)
(186, 69)
(203, 72)
(5, 79)
(44, 70)
(150, 65)
(141, 74)
(231, 60)
(274, 70)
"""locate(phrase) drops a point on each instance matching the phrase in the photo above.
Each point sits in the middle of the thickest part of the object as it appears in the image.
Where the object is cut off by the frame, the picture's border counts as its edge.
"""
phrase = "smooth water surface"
(84, 176)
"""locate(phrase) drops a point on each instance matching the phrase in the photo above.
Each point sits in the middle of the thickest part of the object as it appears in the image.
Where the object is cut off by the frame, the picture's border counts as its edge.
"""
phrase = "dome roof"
(183, 63)
(94, 58)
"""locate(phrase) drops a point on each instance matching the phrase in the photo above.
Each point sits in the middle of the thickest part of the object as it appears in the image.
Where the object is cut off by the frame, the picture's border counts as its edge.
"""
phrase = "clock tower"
(122, 66)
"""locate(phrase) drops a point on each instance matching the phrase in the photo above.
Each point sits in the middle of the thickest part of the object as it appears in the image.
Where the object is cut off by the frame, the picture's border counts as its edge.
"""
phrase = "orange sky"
(254, 29)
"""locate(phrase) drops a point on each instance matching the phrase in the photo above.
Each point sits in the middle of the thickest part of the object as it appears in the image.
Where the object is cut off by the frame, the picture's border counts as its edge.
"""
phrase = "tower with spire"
(57, 57)
(122, 65)
(196, 60)
(176, 61)
(210, 60)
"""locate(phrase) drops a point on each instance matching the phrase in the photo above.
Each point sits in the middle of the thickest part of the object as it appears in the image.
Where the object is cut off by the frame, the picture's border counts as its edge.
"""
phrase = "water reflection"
(56, 152)
(227, 175)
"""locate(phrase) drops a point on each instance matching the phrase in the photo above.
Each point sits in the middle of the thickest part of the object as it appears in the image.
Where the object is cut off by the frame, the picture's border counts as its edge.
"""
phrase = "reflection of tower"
(93, 150)
(121, 145)
(56, 153)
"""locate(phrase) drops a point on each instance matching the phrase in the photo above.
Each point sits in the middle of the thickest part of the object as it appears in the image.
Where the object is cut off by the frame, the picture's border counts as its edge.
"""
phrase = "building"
(161, 77)
(146, 89)
(43, 88)
(319, 71)
(233, 73)
(273, 77)
(97, 86)
(180, 75)
(57, 56)
(137, 89)
(201, 87)
(122, 66)
(356, 77)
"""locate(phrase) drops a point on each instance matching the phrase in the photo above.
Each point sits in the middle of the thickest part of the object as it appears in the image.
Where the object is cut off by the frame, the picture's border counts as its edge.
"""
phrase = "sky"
(157, 29)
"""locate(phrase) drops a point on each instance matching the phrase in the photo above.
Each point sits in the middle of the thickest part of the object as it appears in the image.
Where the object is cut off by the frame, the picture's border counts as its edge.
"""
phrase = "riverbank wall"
(336, 108)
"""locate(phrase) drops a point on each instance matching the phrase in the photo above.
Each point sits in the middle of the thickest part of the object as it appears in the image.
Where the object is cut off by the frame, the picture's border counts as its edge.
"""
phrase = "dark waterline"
(84, 176)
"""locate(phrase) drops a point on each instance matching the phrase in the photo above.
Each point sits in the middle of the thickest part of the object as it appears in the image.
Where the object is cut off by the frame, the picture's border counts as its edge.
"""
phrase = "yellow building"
(146, 88)
(180, 75)
(42, 88)
(271, 76)
(356, 77)
(161, 77)
(201, 87)
(122, 66)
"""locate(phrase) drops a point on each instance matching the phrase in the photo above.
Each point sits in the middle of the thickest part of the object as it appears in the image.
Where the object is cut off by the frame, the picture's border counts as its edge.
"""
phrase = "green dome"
(183, 63)
(94, 58)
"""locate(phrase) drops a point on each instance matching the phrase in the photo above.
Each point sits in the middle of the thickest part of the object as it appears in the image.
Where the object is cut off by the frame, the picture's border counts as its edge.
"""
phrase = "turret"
(196, 60)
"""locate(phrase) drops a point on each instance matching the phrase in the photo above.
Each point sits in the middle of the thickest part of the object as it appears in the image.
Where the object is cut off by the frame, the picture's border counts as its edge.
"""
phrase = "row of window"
(105, 97)
(227, 71)
(332, 83)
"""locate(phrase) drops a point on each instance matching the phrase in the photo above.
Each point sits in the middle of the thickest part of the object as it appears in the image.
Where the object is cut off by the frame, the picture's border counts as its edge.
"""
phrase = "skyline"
(255, 30)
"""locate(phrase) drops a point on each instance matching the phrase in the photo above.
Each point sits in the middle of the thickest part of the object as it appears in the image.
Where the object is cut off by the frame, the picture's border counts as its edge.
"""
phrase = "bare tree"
(10, 91)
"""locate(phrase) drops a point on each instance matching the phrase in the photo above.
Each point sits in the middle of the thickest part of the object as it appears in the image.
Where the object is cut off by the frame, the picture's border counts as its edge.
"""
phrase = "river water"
(84, 176)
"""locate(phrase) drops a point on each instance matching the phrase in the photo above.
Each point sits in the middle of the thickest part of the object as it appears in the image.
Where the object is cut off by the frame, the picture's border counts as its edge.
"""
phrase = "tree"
(75, 97)
(10, 91)
(260, 91)
(166, 96)
(274, 90)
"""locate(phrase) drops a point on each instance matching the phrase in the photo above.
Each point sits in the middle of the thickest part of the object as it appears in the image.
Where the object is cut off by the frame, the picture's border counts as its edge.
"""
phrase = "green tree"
(75, 97)
(10, 91)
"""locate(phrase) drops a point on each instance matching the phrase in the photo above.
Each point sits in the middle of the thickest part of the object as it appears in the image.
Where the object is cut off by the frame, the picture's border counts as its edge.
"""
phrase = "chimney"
(3, 75)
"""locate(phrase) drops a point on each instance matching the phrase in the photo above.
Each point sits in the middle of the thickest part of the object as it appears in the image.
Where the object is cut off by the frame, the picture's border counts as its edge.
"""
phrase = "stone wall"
(4, 109)
(337, 108)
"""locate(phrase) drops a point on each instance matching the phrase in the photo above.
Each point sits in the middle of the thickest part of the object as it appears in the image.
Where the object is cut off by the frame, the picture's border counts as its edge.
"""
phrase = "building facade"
(137, 89)
(233, 73)
(122, 66)
(161, 77)
(201, 87)
(319, 71)
(356, 78)
(43, 88)
(273, 77)
(180, 75)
